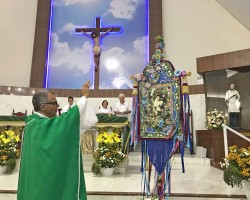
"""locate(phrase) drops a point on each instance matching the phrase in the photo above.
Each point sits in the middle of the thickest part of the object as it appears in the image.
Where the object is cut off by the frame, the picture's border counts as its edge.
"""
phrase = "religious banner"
(159, 98)
(159, 118)
(159, 108)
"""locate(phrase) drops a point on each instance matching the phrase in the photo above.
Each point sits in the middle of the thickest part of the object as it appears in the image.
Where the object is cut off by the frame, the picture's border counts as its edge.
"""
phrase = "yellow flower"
(110, 140)
(106, 141)
(117, 139)
(8, 146)
(5, 141)
(101, 137)
(236, 166)
(17, 138)
(4, 157)
(10, 133)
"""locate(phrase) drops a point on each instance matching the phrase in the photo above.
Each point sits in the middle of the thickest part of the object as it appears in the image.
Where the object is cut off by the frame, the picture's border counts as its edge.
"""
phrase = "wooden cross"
(98, 30)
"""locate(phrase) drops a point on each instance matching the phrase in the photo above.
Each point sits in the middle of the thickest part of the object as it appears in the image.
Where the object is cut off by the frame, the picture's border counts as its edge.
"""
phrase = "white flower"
(215, 119)
(222, 164)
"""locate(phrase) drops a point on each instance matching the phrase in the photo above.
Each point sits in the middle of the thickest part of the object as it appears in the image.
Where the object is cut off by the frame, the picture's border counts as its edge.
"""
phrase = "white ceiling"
(240, 9)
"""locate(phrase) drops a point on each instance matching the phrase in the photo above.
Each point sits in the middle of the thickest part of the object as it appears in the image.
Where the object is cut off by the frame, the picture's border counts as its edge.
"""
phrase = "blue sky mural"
(70, 59)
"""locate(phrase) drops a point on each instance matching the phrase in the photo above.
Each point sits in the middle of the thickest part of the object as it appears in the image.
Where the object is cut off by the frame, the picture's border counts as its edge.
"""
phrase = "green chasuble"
(51, 162)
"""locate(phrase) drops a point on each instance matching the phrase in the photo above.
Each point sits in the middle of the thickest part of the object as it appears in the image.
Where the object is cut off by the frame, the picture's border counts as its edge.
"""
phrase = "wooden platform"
(213, 141)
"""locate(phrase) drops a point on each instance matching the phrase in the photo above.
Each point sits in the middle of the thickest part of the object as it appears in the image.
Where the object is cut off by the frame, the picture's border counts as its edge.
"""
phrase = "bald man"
(122, 107)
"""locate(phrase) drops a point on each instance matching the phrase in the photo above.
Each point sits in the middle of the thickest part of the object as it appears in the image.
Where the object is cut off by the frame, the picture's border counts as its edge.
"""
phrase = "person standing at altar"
(51, 163)
(104, 108)
(232, 99)
(122, 110)
(122, 107)
(69, 105)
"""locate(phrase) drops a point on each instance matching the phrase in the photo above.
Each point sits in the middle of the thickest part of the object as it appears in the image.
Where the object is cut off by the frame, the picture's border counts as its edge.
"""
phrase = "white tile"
(197, 179)
(8, 196)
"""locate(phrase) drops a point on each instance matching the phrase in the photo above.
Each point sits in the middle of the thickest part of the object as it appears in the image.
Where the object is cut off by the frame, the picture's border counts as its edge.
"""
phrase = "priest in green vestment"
(51, 161)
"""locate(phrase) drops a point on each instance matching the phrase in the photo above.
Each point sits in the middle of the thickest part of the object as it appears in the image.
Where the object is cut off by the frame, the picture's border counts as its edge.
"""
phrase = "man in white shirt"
(122, 110)
(122, 107)
(69, 105)
(232, 100)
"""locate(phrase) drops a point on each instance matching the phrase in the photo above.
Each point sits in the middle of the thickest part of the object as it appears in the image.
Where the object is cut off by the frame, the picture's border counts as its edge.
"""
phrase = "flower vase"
(107, 172)
(3, 169)
(247, 188)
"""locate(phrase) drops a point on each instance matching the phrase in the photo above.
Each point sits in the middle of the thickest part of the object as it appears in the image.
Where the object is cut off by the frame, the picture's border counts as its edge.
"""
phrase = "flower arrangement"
(236, 166)
(9, 150)
(215, 119)
(108, 154)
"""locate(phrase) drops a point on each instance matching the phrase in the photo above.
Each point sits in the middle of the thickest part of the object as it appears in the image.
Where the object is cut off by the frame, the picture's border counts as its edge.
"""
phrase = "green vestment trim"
(51, 162)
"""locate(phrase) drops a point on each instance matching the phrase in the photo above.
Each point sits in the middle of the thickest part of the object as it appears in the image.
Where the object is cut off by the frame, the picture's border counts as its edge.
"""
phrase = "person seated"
(104, 108)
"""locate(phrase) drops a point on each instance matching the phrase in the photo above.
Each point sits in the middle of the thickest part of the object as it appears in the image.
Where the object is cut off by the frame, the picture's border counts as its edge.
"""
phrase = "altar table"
(105, 122)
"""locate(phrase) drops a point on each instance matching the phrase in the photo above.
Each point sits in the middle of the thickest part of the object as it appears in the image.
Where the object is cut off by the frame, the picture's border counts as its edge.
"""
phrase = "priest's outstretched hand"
(85, 89)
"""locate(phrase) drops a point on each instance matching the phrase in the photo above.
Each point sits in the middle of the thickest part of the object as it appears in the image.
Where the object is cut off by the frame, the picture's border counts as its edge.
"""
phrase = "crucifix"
(96, 34)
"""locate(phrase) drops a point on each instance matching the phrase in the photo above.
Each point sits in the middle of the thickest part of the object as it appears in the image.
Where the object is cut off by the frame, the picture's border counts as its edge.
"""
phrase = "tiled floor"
(200, 180)
(101, 197)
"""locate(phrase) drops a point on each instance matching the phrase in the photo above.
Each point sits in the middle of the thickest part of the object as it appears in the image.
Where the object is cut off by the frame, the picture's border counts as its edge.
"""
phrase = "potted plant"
(236, 167)
(9, 150)
(215, 119)
(108, 154)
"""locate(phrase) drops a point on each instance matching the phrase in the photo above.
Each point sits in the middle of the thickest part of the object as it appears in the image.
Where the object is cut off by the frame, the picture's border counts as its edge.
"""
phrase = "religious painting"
(156, 108)
(71, 59)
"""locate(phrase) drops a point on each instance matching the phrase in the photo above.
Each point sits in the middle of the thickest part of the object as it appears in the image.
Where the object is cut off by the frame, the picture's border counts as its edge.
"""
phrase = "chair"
(19, 114)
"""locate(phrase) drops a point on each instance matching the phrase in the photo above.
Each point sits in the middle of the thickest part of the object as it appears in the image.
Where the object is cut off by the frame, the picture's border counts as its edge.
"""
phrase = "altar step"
(189, 159)
(87, 161)
(134, 160)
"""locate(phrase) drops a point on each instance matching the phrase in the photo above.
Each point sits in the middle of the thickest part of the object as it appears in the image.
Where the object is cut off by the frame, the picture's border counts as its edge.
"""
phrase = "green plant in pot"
(9, 150)
(236, 166)
(108, 154)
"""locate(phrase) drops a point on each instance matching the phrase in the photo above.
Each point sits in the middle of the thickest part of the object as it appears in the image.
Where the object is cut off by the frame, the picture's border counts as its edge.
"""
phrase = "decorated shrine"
(160, 119)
